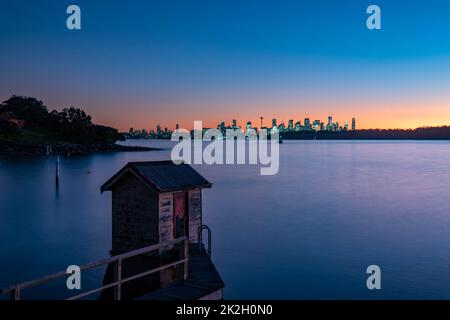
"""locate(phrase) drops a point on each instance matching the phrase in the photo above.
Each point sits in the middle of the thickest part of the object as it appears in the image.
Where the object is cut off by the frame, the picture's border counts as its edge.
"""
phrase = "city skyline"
(306, 124)
(137, 65)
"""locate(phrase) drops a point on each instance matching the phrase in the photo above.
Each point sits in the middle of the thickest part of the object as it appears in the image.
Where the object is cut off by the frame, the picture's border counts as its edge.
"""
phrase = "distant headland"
(423, 133)
(27, 127)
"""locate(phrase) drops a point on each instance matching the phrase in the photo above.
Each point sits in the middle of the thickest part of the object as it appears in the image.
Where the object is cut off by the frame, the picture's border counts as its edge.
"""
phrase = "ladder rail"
(200, 238)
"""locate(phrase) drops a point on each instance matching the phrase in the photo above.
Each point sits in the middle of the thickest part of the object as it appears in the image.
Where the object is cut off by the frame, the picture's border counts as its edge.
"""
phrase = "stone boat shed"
(156, 202)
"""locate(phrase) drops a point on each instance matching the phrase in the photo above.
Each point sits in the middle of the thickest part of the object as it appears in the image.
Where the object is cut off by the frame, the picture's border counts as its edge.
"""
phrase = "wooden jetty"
(157, 249)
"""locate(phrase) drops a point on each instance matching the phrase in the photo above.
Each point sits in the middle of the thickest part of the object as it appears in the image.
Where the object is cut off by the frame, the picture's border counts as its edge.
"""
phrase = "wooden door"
(180, 214)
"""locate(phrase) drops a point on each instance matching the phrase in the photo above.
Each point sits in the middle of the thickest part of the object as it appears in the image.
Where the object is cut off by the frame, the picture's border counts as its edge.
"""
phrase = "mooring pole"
(57, 171)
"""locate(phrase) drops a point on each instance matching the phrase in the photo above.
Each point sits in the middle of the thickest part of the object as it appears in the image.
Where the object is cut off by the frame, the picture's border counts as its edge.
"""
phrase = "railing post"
(15, 294)
(209, 242)
(116, 263)
(186, 258)
(118, 279)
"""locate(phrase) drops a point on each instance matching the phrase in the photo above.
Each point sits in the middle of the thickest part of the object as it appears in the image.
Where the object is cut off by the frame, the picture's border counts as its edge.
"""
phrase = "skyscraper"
(274, 122)
(336, 126)
(291, 124)
(316, 125)
(353, 124)
(307, 124)
(330, 124)
(234, 125)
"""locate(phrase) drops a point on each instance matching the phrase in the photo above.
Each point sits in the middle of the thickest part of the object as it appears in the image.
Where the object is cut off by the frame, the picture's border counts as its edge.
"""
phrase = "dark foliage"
(26, 108)
(425, 133)
(6, 127)
(69, 125)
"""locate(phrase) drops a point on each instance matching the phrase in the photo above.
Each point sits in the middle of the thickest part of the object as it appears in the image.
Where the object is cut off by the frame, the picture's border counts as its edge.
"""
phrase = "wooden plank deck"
(203, 280)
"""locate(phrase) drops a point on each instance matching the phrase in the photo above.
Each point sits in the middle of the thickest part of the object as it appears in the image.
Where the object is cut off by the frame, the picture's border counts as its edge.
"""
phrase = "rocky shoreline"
(66, 149)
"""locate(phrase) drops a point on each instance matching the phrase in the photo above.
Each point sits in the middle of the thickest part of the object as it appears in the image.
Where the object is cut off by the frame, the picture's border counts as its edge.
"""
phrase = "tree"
(70, 125)
(76, 117)
(25, 108)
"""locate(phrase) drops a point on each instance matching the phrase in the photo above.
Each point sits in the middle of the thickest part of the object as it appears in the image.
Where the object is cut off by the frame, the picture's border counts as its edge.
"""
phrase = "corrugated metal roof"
(163, 175)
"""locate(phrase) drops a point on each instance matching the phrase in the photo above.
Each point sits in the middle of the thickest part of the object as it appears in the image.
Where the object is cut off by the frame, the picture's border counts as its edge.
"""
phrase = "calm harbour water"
(334, 208)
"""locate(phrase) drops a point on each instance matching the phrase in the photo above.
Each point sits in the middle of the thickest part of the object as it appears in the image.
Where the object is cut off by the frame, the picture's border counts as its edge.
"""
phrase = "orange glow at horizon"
(387, 116)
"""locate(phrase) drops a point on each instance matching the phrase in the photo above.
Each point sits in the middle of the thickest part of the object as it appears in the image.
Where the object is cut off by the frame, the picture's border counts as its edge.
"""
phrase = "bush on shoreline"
(71, 125)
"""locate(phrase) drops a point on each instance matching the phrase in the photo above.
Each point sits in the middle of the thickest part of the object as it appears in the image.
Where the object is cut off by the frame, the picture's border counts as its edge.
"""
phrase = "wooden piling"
(57, 171)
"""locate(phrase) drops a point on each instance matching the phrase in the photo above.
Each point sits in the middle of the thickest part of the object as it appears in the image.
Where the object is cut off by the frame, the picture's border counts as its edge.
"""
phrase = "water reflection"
(308, 232)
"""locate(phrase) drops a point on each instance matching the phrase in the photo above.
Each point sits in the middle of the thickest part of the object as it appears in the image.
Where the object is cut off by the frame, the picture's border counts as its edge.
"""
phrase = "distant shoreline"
(29, 149)
(433, 133)
(422, 133)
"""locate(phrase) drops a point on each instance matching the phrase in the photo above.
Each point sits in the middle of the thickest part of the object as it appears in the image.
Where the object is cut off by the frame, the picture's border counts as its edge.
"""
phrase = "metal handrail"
(200, 238)
(15, 290)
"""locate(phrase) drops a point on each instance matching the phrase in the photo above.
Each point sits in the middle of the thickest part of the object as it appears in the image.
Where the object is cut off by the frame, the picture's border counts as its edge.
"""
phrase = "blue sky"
(139, 63)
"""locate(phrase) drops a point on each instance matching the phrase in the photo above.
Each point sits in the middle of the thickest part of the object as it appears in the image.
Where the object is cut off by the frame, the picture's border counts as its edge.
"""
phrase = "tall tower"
(316, 125)
(330, 124)
(291, 124)
(307, 123)
(353, 124)
(274, 122)
(262, 122)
